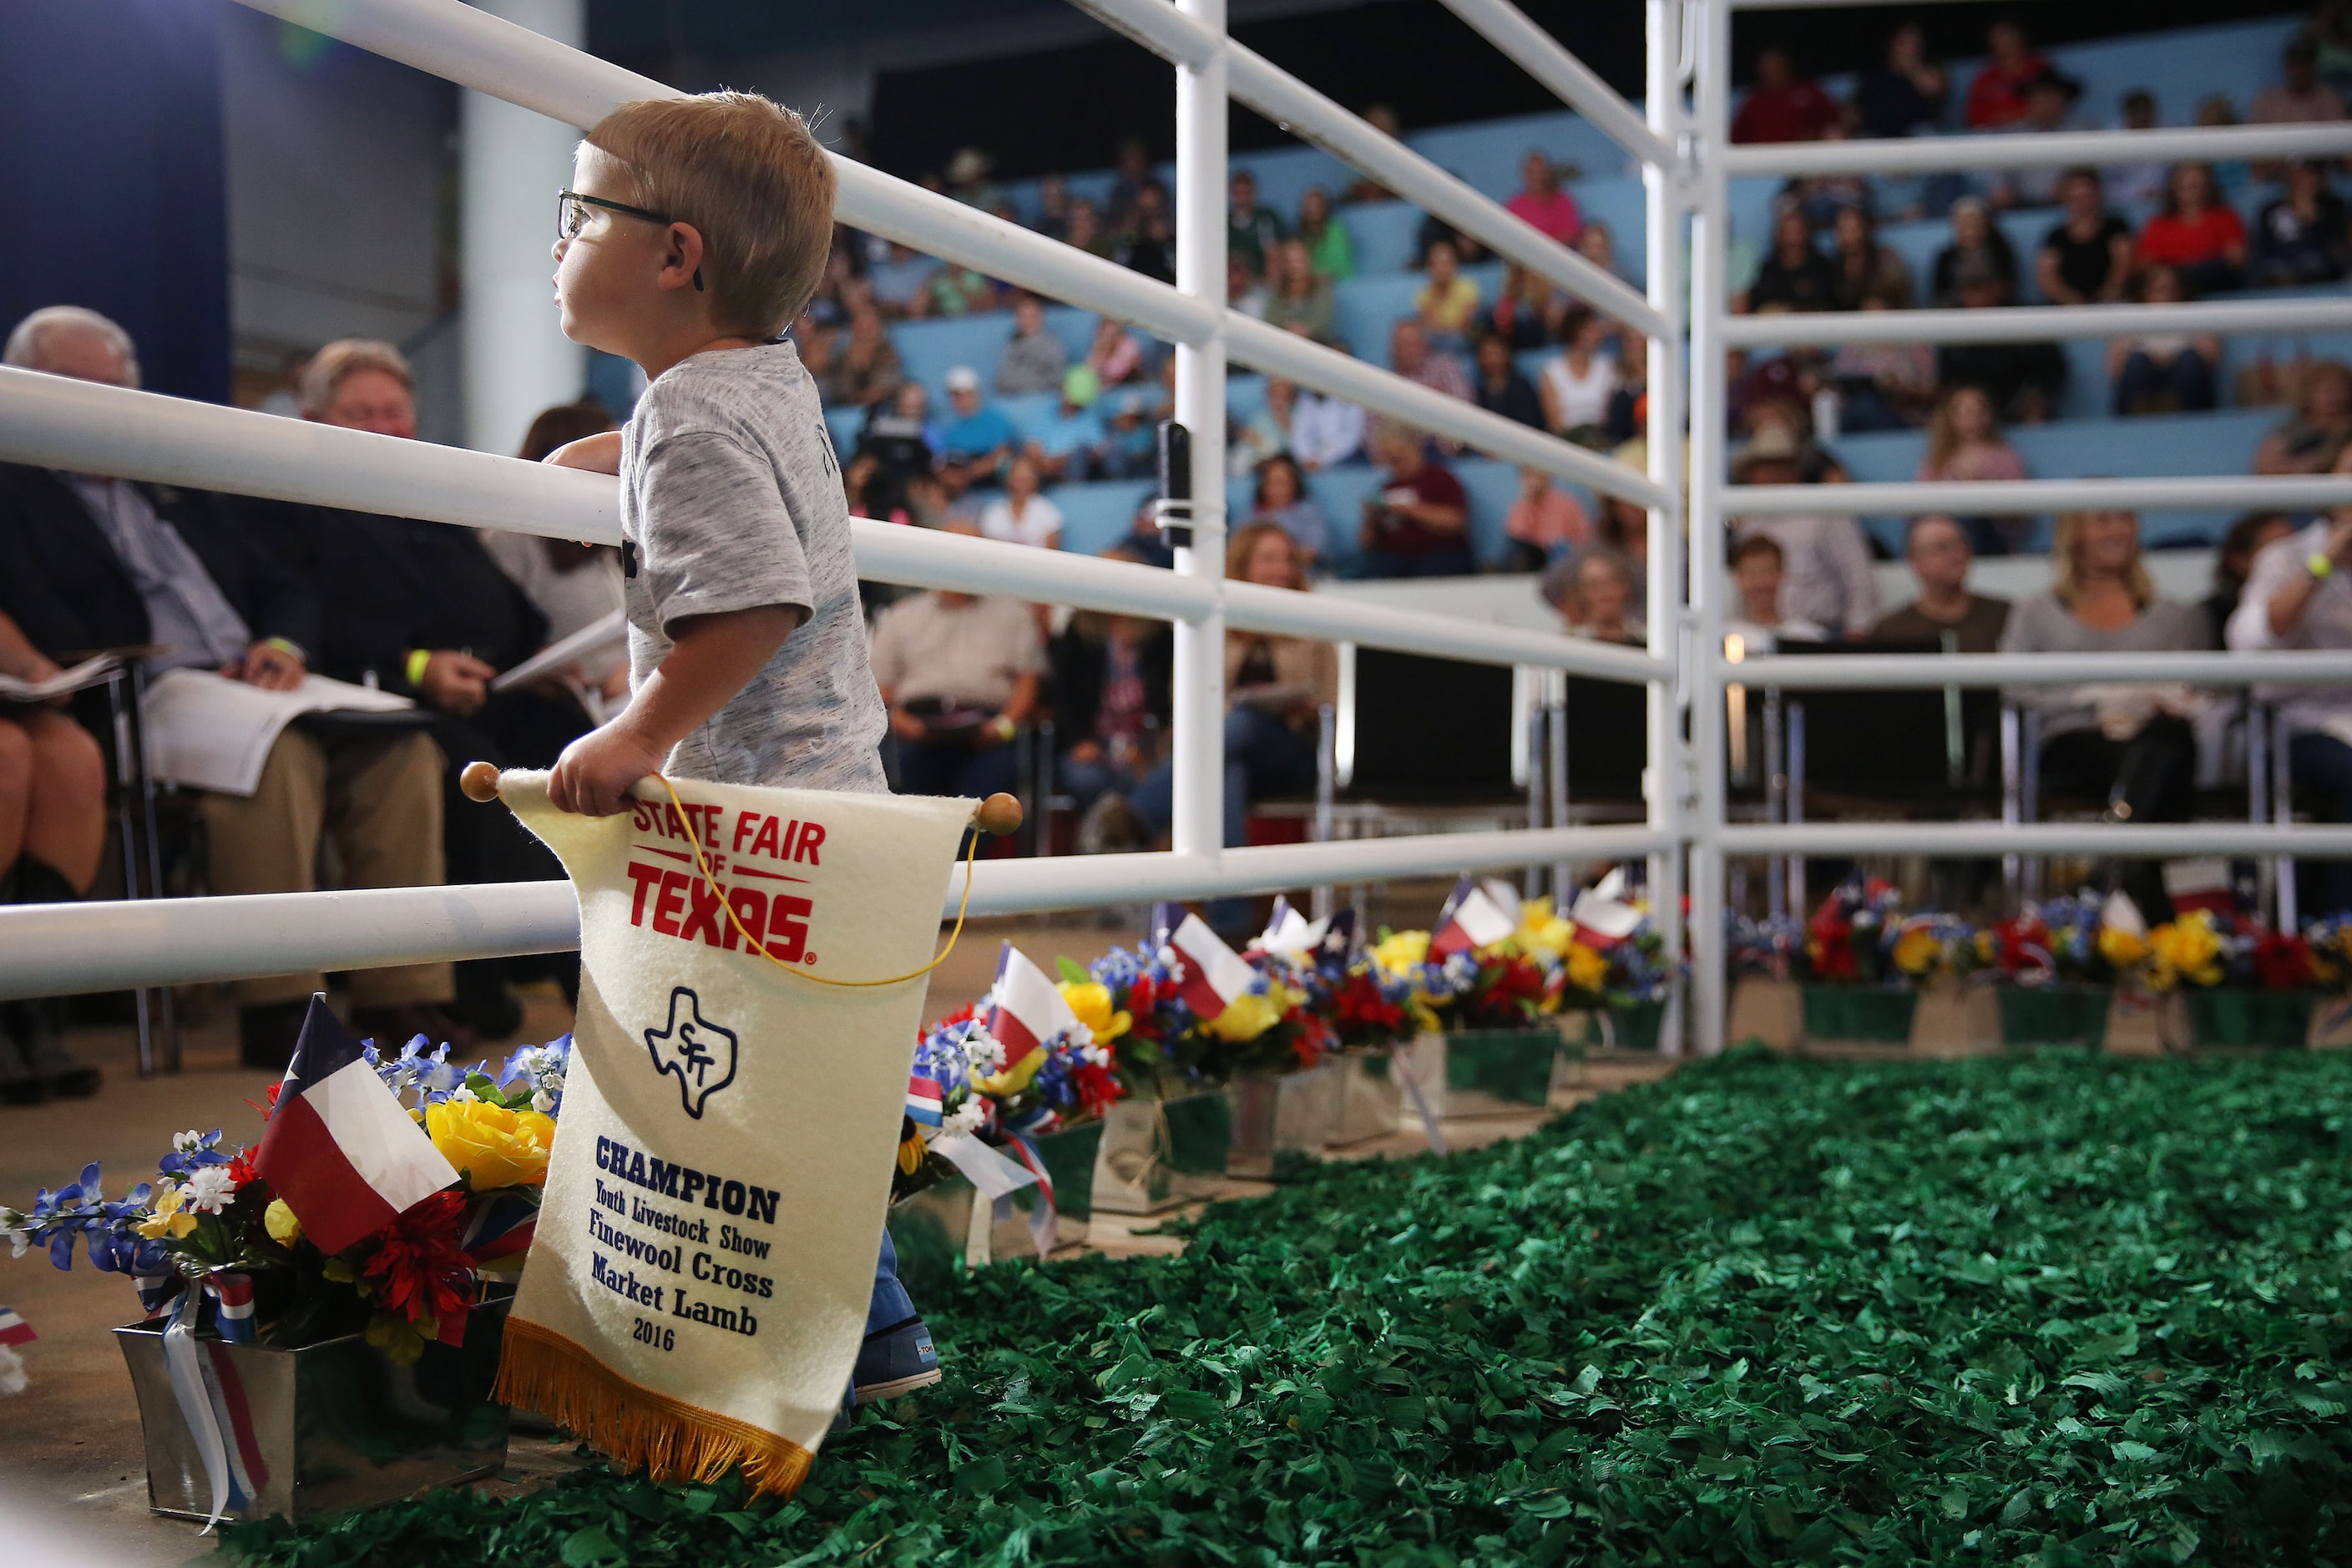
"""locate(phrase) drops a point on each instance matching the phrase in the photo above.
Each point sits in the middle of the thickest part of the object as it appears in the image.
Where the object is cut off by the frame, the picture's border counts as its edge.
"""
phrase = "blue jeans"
(2186, 383)
(1084, 781)
(1263, 756)
(956, 767)
(1451, 561)
(891, 1305)
(2321, 765)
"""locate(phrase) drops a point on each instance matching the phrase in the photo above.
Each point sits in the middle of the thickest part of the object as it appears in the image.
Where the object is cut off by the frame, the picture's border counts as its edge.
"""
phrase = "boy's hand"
(593, 775)
(455, 682)
(599, 454)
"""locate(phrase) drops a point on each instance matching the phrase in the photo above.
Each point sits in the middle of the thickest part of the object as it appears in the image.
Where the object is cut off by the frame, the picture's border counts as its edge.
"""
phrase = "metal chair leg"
(2282, 812)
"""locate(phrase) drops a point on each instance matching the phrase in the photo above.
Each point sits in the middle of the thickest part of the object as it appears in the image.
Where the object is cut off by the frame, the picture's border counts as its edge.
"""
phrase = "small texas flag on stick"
(1213, 973)
(339, 1148)
(1471, 919)
(1025, 1011)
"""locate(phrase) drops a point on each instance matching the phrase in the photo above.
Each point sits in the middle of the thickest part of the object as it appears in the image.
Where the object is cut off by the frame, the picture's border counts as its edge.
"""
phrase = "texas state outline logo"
(699, 1052)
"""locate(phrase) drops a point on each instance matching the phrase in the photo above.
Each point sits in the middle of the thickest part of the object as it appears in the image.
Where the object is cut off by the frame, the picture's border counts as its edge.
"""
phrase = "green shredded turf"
(2058, 1310)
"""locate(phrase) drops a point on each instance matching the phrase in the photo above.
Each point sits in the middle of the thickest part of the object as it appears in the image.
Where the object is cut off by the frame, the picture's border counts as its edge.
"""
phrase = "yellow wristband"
(2319, 563)
(290, 650)
(1006, 728)
(418, 658)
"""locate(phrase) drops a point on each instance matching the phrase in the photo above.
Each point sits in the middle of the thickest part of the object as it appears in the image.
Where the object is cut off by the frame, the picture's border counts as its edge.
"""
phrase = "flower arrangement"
(207, 1223)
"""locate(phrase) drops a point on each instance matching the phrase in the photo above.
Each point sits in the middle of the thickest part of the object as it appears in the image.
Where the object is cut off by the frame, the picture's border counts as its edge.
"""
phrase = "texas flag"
(1601, 916)
(339, 1148)
(1213, 973)
(14, 1330)
(1025, 1011)
(1470, 919)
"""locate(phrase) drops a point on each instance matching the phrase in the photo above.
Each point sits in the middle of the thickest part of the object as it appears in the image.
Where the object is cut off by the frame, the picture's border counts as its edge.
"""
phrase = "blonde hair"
(2064, 584)
(1944, 440)
(750, 177)
(344, 359)
(1244, 544)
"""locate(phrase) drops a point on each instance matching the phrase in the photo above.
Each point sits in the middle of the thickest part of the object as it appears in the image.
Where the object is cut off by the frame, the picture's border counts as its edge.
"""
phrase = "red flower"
(2283, 962)
(418, 1269)
(1512, 988)
(1097, 1087)
(1358, 1005)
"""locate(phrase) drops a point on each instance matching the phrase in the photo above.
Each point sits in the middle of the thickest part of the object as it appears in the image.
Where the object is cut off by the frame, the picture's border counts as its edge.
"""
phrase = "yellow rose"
(169, 1219)
(1090, 1000)
(280, 1222)
(1401, 951)
(1246, 1017)
(1587, 970)
(494, 1146)
(1916, 951)
(1014, 1078)
(2188, 949)
(2123, 948)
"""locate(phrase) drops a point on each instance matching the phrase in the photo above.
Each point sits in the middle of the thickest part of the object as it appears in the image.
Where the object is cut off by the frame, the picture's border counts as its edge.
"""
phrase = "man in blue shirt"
(978, 441)
(1070, 445)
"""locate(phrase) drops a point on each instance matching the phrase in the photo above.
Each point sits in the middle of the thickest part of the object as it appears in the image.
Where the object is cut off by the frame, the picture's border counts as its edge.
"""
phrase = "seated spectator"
(2300, 237)
(1625, 527)
(1544, 522)
(1795, 275)
(1577, 381)
(1382, 118)
(94, 562)
(1274, 688)
(2312, 441)
(1022, 516)
(1977, 242)
(2230, 176)
(52, 831)
(1325, 431)
(2197, 232)
(1146, 243)
(2086, 256)
(1825, 563)
(1882, 387)
(1053, 207)
(2299, 595)
(1328, 243)
(2300, 97)
(1133, 165)
(1904, 96)
(1936, 551)
(1244, 293)
(2131, 744)
(1113, 356)
(1965, 444)
(1758, 567)
(1300, 300)
(1073, 443)
(1628, 404)
(1499, 388)
(573, 585)
(1783, 106)
(898, 434)
(2163, 373)
(974, 444)
(1598, 246)
(1595, 597)
(1112, 679)
(1133, 421)
(900, 282)
(1033, 358)
(1412, 357)
(968, 180)
(1417, 523)
(1541, 202)
(1266, 432)
(2233, 563)
(1469, 250)
(2049, 107)
(1250, 230)
(1448, 303)
(2140, 184)
(955, 289)
(959, 674)
(1861, 265)
(2024, 380)
(1529, 312)
(1282, 498)
(864, 367)
(1087, 232)
(1997, 96)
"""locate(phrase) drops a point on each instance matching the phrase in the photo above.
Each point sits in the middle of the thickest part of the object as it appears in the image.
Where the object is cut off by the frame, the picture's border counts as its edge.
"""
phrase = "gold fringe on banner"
(668, 1439)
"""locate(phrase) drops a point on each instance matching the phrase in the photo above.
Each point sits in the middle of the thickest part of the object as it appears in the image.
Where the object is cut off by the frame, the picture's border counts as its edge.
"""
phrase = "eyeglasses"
(572, 216)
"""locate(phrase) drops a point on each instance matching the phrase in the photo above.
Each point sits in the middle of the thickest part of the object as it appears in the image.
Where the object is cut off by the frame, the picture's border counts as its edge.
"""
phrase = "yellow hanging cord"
(757, 946)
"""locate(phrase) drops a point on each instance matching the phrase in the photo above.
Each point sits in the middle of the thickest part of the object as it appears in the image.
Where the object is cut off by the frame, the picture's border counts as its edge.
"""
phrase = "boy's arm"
(710, 659)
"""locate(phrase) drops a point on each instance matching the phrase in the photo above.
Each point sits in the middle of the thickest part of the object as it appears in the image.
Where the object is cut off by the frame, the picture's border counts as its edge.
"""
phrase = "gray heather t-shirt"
(731, 495)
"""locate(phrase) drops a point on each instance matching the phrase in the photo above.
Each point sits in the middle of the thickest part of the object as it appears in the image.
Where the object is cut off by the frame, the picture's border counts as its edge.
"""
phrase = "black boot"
(40, 1034)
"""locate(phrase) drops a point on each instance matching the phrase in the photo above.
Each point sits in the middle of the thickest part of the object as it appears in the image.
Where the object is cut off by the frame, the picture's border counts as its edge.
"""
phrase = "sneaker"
(897, 1359)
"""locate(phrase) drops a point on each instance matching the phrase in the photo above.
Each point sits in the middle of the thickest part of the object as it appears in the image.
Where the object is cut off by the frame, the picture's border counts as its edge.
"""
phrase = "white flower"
(965, 1118)
(985, 1052)
(210, 1189)
(462, 1094)
(187, 1143)
(543, 1102)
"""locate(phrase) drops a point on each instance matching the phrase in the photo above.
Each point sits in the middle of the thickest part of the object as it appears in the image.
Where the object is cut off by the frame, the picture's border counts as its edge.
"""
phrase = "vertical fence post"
(1199, 699)
(1710, 979)
(1662, 217)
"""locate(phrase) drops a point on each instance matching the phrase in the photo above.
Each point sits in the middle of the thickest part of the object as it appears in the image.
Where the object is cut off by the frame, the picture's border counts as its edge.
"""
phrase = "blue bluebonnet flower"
(541, 1067)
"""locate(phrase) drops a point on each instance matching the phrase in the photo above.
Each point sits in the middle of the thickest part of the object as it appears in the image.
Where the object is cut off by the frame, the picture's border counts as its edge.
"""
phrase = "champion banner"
(698, 1285)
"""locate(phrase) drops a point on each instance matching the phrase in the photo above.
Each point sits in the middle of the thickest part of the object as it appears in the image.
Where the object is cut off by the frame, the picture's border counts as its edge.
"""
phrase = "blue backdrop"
(112, 190)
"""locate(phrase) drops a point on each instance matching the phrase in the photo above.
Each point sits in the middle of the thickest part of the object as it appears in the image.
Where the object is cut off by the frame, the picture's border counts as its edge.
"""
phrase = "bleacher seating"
(2181, 68)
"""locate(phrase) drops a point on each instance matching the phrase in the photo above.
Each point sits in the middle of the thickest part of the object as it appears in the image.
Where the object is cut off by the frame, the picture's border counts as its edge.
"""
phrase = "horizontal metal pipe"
(2037, 323)
(1282, 98)
(2155, 841)
(54, 949)
(1538, 53)
(2060, 149)
(1915, 671)
(1252, 608)
(2020, 497)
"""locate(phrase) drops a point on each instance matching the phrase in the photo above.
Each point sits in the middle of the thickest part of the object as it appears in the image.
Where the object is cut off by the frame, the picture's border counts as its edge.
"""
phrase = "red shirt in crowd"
(2172, 240)
(1431, 486)
(1555, 214)
(1998, 97)
(1799, 112)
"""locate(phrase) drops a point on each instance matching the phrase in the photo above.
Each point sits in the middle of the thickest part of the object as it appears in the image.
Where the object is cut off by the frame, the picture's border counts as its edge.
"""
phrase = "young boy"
(695, 229)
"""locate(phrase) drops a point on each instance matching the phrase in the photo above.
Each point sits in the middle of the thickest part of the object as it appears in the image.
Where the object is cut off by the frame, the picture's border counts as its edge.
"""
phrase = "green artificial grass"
(2055, 1310)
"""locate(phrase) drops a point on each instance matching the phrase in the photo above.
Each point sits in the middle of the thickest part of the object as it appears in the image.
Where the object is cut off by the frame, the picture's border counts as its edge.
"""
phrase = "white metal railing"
(2020, 498)
(2038, 150)
(2036, 323)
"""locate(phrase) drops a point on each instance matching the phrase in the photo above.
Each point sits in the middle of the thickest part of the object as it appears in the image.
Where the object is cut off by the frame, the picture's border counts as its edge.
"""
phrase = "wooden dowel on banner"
(480, 781)
(1000, 814)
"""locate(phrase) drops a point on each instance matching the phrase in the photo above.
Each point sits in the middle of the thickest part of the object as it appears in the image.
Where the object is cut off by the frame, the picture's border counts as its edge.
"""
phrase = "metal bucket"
(946, 1224)
(1370, 1102)
(327, 1427)
(1276, 1113)
(1156, 1153)
(1484, 1072)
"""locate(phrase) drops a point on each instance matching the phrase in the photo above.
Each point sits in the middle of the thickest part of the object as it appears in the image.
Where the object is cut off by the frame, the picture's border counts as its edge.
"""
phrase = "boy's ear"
(682, 256)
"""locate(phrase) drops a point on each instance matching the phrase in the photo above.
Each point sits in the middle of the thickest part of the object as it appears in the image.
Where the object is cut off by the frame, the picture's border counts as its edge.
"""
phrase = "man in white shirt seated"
(960, 674)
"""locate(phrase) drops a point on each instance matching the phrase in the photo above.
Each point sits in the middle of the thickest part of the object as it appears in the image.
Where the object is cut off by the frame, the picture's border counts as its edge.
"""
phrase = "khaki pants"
(380, 799)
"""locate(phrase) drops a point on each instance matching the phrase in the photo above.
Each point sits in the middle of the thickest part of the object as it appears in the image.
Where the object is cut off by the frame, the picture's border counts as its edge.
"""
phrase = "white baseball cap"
(963, 378)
